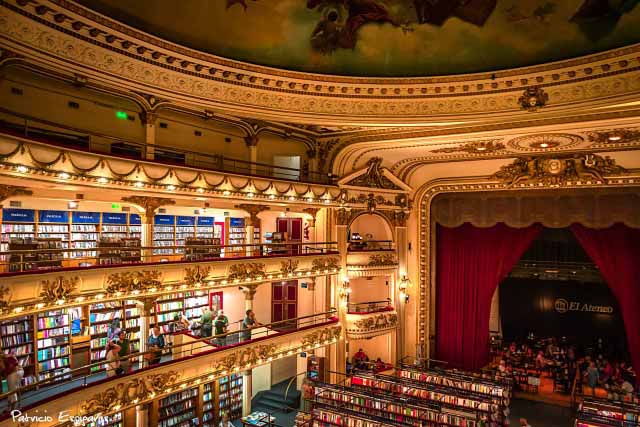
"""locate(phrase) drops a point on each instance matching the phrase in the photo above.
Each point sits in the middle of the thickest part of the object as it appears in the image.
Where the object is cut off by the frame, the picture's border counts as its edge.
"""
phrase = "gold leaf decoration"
(321, 264)
(245, 271)
(196, 274)
(289, 266)
(378, 260)
(133, 281)
(58, 289)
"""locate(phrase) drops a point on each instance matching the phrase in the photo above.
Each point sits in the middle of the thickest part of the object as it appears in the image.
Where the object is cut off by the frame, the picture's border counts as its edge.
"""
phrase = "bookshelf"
(236, 235)
(100, 318)
(387, 406)
(54, 225)
(124, 250)
(205, 227)
(596, 413)
(230, 396)
(179, 409)
(194, 302)
(163, 234)
(185, 229)
(84, 233)
(17, 224)
(53, 344)
(195, 253)
(16, 336)
(167, 308)
(135, 226)
(209, 405)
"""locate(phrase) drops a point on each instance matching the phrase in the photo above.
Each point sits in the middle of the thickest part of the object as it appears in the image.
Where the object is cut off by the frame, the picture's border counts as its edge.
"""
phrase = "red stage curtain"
(470, 264)
(616, 252)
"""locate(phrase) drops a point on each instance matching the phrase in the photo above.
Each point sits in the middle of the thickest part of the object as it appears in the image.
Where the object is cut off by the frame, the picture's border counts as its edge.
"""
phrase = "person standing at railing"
(113, 359)
(125, 350)
(220, 328)
(11, 371)
(206, 323)
(155, 344)
(248, 322)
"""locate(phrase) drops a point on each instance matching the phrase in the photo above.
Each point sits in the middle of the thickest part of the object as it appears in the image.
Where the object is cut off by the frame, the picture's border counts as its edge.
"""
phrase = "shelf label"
(56, 217)
(134, 219)
(164, 220)
(18, 215)
(85, 217)
(206, 220)
(186, 220)
(114, 218)
(236, 222)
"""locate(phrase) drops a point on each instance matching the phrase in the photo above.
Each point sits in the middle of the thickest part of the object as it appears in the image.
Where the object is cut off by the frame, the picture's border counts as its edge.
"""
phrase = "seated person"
(541, 361)
(380, 365)
(360, 359)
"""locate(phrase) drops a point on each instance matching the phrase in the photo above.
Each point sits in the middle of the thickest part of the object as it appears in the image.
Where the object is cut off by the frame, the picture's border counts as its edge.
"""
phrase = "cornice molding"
(58, 33)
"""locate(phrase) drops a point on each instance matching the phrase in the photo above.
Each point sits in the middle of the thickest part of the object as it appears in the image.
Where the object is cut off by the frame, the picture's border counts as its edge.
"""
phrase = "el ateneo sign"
(563, 306)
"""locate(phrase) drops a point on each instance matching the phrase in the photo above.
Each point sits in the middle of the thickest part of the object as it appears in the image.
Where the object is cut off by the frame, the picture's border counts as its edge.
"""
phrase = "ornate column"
(399, 221)
(142, 415)
(148, 120)
(252, 144)
(253, 223)
(145, 308)
(247, 391)
(312, 155)
(249, 292)
(339, 350)
(149, 205)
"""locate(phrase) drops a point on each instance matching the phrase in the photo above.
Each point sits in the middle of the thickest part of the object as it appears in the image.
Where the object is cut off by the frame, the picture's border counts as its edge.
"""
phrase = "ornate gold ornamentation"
(289, 266)
(246, 356)
(379, 260)
(7, 191)
(321, 336)
(325, 264)
(5, 297)
(558, 170)
(149, 204)
(244, 271)
(374, 177)
(343, 216)
(249, 291)
(313, 212)
(614, 136)
(133, 281)
(380, 321)
(476, 147)
(58, 289)
(253, 211)
(533, 98)
(129, 393)
(197, 274)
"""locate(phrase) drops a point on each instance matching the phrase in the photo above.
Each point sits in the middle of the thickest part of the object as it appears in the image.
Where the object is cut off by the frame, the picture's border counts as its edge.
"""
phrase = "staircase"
(273, 400)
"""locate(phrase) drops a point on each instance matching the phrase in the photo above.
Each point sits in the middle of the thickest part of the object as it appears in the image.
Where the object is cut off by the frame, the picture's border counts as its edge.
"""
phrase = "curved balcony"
(371, 258)
(369, 319)
(186, 363)
(92, 142)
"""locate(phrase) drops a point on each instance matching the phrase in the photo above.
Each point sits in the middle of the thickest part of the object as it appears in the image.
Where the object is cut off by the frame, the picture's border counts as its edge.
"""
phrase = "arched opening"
(369, 232)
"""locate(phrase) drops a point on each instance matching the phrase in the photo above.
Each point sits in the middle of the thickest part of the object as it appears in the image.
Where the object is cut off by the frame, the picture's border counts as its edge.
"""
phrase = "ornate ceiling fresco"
(386, 37)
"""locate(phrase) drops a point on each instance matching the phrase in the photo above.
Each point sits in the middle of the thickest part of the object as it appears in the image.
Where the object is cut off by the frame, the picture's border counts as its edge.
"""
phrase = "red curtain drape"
(616, 252)
(470, 264)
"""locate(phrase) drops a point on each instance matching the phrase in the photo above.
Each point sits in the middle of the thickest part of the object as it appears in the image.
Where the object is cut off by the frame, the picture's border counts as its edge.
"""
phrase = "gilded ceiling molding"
(323, 336)
(379, 260)
(95, 42)
(474, 147)
(325, 264)
(365, 326)
(148, 204)
(533, 99)
(426, 274)
(244, 271)
(545, 142)
(133, 281)
(59, 289)
(374, 176)
(614, 136)
(557, 171)
(7, 191)
(129, 393)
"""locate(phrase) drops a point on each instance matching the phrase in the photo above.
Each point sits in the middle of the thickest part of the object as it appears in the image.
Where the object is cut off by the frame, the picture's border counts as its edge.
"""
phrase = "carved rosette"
(133, 281)
(533, 98)
(196, 275)
(129, 393)
(58, 289)
(251, 270)
(557, 171)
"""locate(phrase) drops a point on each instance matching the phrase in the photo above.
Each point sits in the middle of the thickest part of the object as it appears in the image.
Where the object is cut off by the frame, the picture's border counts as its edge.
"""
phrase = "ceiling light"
(481, 148)
(102, 180)
(139, 184)
(614, 137)
(64, 175)
(171, 187)
(544, 145)
(226, 192)
(200, 190)
(250, 195)
(292, 198)
(22, 169)
(72, 204)
(310, 199)
(272, 196)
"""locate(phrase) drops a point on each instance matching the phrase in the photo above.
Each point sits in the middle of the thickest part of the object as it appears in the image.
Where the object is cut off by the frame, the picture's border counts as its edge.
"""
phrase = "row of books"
(599, 413)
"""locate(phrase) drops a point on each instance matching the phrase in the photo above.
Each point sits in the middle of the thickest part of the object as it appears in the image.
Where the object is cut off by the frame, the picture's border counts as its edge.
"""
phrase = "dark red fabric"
(470, 264)
(616, 252)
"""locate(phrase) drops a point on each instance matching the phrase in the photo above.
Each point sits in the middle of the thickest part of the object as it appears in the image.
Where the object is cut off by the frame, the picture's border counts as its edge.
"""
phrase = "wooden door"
(284, 300)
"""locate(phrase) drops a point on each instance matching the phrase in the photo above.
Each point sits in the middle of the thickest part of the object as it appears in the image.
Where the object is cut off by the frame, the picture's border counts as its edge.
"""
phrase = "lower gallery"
(319, 214)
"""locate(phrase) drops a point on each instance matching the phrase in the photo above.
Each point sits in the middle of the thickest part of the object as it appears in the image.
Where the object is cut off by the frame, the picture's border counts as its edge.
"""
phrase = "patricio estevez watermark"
(37, 417)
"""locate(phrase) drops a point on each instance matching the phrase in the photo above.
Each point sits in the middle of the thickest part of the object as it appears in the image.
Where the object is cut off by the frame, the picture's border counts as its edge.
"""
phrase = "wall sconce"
(402, 287)
(345, 290)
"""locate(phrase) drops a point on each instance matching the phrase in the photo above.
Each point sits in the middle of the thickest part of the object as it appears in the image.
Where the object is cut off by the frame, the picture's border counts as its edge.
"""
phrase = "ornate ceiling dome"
(386, 38)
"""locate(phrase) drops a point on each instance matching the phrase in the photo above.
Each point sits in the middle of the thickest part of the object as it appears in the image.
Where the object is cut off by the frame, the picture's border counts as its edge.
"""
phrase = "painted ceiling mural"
(386, 37)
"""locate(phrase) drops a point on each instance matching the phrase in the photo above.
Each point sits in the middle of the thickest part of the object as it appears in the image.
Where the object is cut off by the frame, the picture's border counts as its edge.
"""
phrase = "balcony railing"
(370, 245)
(29, 261)
(369, 307)
(73, 379)
(76, 138)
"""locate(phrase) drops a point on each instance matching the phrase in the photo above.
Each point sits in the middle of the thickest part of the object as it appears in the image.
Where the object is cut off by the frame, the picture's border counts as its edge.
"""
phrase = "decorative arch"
(388, 225)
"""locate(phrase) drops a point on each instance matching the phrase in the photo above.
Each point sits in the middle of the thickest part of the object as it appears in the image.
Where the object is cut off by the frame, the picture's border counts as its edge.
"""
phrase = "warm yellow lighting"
(64, 175)
(200, 190)
(22, 169)
(250, 195)
(272, 196)
(18, 309)
(102, 180)
(544, 145)
(226, 192)
(60, 302)
(40, 305)
(292, 198)
(139, 184)
(171, 187)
